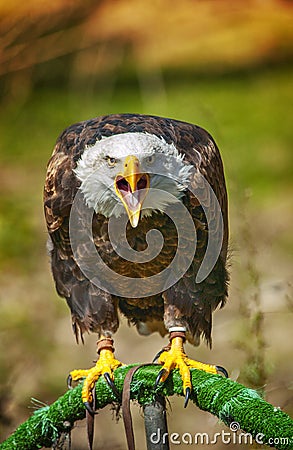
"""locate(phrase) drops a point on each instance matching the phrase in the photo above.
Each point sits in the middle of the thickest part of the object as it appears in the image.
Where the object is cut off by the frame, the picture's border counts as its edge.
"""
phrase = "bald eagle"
(133, 171)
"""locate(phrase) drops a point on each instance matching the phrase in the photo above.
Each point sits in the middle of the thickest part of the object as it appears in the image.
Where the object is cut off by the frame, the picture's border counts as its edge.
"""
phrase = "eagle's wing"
(200, 149)
(92, 309)
(195, 302)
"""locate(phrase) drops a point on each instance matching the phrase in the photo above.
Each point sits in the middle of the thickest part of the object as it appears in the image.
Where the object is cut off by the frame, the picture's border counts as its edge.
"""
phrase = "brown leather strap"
(90, 426)
(174, 334)
(126, 412)
(105, 343)
(90, 422)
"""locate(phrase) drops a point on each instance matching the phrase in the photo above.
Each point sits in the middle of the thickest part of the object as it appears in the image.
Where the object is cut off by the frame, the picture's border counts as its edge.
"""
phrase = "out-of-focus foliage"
(223, 65)
(94, 38)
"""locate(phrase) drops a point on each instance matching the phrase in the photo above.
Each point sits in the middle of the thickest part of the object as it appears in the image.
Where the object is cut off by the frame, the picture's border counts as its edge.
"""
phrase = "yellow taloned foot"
(175, 358)
(105, 364)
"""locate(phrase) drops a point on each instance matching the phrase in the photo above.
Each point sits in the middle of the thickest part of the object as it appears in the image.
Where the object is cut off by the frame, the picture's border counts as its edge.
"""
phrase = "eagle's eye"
(111, 161)
(150, 159)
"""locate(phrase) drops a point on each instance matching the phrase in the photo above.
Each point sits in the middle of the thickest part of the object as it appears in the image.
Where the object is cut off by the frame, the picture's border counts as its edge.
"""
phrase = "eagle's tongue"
(132, 200)
(131, 188)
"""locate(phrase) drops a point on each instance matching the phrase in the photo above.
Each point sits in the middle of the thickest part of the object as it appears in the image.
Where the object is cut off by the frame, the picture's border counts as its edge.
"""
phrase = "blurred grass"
(249, 113)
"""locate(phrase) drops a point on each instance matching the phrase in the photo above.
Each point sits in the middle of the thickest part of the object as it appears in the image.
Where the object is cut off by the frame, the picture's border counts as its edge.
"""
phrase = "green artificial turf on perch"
(226, 399)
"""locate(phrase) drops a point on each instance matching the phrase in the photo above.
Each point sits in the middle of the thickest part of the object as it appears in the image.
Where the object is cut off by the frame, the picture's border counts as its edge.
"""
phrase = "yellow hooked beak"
(131, 186)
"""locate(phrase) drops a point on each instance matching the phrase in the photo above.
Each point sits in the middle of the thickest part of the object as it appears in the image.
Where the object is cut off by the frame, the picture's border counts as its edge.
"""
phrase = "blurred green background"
(222, 65)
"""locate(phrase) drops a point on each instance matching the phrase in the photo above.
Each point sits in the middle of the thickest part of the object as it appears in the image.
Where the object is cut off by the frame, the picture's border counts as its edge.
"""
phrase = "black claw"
(222, 370)
(69, 382)
(187, 396)
(159, 377)
(111, 384)
(90, 419)
(89, 408)
(158, 355)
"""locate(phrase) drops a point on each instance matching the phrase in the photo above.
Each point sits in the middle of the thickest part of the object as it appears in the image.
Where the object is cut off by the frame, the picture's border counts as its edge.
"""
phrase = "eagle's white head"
(138, 172)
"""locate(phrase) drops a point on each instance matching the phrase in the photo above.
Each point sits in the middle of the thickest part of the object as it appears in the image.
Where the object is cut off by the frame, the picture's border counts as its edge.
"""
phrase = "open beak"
(131, 186)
